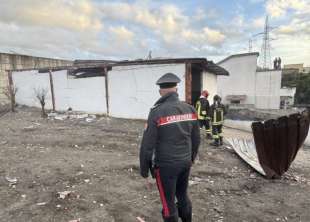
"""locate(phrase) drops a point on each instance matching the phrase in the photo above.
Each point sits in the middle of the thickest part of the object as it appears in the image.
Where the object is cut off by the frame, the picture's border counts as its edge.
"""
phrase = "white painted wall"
(268, 85)
(132, 89)
(209, 82)
(241, 79)
(286, 91)
(84, 94)
(29, 81)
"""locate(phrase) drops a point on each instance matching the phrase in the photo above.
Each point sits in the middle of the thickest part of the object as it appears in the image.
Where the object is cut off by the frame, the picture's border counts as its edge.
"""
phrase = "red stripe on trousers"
(162, 194)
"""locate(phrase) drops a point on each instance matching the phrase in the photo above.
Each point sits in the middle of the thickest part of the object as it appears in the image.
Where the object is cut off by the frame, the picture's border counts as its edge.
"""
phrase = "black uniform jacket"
(205, 106)
(171, 134)
(217, 112)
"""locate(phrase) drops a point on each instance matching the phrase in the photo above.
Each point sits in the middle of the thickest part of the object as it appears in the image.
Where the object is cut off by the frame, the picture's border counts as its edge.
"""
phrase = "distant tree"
(10, 93)
(40, 95)
(303, 89)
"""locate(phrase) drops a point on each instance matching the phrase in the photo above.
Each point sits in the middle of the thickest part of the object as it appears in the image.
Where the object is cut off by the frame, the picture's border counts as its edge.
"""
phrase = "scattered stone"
(3, 142)
(61, 117)
(64, 194)
(41, 204)
(252, 176)
(87, 180)
(80, 173)
(77, 220)
(12, 181)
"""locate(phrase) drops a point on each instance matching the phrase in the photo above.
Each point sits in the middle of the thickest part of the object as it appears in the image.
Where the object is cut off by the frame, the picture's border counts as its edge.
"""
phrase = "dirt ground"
(98, 161)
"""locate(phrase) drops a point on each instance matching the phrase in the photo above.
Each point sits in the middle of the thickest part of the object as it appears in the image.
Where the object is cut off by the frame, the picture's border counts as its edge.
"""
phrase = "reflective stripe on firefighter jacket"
(217, 114)
(202, 108)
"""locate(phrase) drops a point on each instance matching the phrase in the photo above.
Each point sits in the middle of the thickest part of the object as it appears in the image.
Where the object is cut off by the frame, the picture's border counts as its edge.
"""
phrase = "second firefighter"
(217, 112)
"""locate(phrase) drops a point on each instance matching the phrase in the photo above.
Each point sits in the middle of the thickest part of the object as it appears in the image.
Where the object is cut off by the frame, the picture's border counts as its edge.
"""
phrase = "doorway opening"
(196, 85)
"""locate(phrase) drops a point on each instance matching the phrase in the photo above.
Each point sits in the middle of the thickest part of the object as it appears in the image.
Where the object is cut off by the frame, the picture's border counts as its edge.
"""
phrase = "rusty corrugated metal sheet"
(278, 141)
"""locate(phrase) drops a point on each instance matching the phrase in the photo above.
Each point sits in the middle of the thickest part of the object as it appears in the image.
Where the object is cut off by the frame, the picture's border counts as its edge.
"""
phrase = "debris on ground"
(12, 181)
(223, 184)
(77, 220)
(41, 204)
(72, 116)
(140, 219)
(64, 194)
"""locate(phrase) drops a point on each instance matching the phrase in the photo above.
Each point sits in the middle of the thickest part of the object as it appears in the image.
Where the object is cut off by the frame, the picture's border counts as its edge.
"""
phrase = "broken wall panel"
(27, 83)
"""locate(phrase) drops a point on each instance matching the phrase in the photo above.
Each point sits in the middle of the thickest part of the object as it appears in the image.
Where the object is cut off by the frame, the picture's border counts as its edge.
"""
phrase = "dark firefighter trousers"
(205, 123)
(172, 182)
(217, 132)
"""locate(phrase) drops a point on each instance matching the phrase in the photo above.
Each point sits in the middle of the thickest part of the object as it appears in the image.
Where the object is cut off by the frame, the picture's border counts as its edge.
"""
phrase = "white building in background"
(248, 87)
(123, 89)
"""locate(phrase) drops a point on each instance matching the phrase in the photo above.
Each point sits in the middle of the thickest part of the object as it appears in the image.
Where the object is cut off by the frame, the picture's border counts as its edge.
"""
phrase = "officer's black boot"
(221, 140)
(216, 142)
(172, 218)
(209, 136)
(185, 213)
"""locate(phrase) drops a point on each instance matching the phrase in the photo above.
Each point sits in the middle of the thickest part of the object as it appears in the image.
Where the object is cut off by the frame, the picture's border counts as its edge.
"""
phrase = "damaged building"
(17, 61)
(124, 89)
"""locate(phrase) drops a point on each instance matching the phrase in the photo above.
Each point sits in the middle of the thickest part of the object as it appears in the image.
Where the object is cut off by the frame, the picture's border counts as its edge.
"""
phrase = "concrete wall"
(87, 94)
(84, 94)
(27, 83)
(132, 89)
(241, 79)
(268, 85)
(209, 82)
(13, 61)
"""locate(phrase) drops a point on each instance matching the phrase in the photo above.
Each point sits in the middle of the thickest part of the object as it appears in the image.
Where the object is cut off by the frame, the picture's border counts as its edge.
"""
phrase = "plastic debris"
(41, 204)
(140, 219)
(64, 194)
(12, 181)
(77, 220)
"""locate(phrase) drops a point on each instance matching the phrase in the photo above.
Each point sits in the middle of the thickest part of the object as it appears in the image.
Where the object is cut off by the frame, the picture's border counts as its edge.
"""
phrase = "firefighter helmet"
(205, 93)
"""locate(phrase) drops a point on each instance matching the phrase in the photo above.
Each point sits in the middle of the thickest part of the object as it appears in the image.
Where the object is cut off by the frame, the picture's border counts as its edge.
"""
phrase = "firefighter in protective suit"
(172, 137)
(217, 112)
(202, 108)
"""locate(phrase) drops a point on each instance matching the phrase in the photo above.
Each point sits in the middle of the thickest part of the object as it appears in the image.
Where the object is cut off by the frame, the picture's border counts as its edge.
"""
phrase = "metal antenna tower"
(265, 58)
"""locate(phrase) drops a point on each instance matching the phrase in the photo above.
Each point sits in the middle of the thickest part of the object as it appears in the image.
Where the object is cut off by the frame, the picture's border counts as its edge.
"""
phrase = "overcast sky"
(97, 29)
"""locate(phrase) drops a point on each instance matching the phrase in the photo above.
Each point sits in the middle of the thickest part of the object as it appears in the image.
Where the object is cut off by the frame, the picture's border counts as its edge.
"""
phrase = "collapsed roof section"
(203, 63)
(92, 68)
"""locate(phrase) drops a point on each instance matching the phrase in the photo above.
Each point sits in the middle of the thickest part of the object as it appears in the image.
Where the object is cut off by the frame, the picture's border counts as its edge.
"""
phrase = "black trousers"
(217, 132)
(172, 182)
(205, 123)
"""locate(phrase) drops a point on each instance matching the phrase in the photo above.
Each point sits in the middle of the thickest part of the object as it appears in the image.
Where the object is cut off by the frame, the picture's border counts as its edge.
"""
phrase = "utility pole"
(265, 58)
